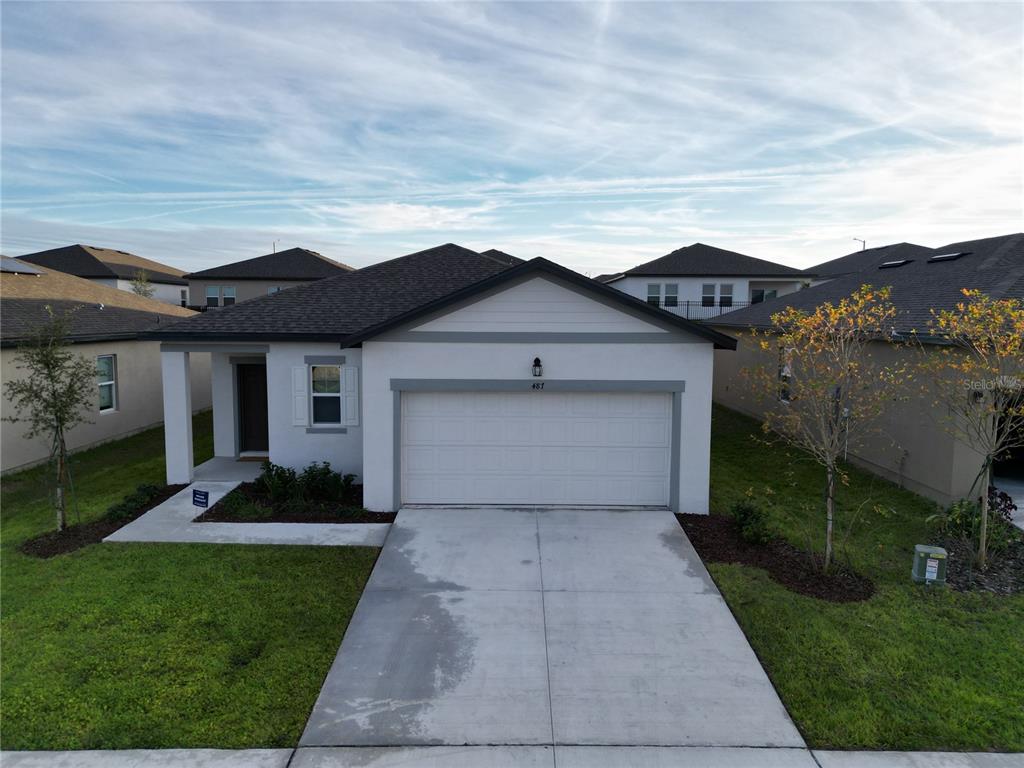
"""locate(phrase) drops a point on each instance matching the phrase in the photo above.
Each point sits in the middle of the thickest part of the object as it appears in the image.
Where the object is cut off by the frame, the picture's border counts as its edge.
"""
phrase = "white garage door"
(536, 448)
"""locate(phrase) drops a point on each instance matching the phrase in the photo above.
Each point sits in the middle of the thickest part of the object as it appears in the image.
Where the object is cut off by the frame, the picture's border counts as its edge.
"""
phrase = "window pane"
(212, 292)
(672, 295)
(726, 290)
(707, 289)
(212, 301)
(229, 300)
(326, 378)
(105, 368)
(654, 294)
(327, 410)
(106, 397)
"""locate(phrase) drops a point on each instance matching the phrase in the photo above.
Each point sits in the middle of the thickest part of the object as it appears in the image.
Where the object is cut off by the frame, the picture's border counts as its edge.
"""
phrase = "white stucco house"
(701, 281)
(453, 377)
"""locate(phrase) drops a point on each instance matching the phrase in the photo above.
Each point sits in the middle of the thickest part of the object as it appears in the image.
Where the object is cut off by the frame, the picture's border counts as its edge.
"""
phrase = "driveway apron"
(544, 626)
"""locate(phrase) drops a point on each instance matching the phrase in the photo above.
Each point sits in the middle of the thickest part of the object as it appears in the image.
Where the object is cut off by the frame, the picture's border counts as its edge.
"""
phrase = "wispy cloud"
(596, 134)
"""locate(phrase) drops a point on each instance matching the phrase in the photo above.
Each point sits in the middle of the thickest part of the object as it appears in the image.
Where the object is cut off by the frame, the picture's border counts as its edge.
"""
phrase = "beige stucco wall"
(913, 451)
(244, 289)
(139, 400)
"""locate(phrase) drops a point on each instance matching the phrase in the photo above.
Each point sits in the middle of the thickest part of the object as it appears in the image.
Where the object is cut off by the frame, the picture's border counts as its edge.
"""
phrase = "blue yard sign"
(200, 498)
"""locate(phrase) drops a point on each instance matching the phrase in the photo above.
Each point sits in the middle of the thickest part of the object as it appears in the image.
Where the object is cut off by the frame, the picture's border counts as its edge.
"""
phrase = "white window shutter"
(300, 396)
(350, 395)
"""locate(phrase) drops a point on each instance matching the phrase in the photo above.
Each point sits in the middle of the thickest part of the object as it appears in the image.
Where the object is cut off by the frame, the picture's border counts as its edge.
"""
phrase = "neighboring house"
(249, 279)
(701, 282)
(105, 328)
(114, 269)
(915, 452)
(450, 377)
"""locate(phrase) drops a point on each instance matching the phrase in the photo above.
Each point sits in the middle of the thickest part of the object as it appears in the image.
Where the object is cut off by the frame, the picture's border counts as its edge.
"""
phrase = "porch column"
(177, 385)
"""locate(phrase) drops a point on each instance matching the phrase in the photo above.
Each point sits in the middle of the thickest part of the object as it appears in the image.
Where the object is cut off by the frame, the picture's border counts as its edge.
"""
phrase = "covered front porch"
(238, 380)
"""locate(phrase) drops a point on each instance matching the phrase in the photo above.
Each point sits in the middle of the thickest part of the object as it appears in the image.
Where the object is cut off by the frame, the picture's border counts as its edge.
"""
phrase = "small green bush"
(753, 522)
(963, 520)
(279, 483)
(238, 505)
(133, 502)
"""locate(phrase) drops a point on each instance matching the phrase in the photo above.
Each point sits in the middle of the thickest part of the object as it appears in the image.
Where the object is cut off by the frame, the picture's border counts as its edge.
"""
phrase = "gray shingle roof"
(504, 258)
(347, 303)
(993, 265)
(866, 259)
(706, 260)
(292, 264)
(89, 261)
(89, 322)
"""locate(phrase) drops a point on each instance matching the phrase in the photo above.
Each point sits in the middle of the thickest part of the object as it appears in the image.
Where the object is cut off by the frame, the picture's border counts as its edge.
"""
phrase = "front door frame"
(235, 361)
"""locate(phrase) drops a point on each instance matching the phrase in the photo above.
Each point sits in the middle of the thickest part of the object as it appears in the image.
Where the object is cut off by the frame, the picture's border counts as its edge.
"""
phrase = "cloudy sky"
(599, 135)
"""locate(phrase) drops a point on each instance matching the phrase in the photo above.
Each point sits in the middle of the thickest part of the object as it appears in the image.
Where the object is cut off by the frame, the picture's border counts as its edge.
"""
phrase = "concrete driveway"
(539, 627)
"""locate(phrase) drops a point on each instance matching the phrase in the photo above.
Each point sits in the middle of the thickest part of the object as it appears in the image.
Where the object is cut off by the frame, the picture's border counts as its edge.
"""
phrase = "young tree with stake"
(975, 375)
(52, 396)
(825, 387)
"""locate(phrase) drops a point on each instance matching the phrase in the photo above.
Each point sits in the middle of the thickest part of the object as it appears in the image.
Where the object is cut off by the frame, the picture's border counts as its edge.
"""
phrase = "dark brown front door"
(252, 407)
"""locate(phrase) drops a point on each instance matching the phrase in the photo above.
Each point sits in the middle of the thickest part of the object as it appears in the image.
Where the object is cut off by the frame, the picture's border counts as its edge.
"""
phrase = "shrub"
(279, 483)
(963, 520)
(321, 483)
(753, 522)
(239, 505)
(133, 502)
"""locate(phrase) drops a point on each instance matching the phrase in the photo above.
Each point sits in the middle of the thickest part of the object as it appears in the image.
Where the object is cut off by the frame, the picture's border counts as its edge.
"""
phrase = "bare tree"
(53, 394)
(823, 387)
(141, 284)
(975, 376)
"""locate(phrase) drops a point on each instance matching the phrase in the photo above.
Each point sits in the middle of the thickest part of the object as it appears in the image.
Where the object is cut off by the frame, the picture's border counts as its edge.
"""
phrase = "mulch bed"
(717, 538)
(81, 535)
(348, 509)
(1004, 575)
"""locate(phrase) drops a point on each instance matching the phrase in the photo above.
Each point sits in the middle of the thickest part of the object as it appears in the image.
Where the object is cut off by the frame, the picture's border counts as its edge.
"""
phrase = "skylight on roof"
(893, 264)
(947, 257)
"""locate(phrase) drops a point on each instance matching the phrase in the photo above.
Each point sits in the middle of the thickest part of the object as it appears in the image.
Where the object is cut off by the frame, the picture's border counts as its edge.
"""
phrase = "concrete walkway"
(506, 757)
(171, 521)
(544, 627)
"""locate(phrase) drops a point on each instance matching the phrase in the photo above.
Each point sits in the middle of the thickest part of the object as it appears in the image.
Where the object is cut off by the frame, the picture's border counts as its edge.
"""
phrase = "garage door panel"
(536, 448)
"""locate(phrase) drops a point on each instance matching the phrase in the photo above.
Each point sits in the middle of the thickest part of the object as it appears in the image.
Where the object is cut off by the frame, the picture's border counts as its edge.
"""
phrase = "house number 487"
(538, 385)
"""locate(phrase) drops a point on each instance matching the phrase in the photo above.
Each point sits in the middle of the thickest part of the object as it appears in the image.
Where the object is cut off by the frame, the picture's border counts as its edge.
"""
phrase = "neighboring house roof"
(358, 305)
(858, 261)
(609, 277)
(88, 261)
(501, 256)
(994, 265)
(293, 264)
(98, 312)
(699, 260)
(347, 303)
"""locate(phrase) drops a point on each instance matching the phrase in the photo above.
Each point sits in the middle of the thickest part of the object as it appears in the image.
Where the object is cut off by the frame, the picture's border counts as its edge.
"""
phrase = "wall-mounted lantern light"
(538, 369)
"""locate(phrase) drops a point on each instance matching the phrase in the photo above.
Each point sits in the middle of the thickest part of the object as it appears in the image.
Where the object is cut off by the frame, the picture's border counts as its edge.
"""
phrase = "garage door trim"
(524, 385)
(676, 388)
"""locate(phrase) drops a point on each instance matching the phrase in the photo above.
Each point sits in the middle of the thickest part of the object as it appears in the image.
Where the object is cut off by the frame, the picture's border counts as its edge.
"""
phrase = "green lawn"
(908, 669)
(161, 645)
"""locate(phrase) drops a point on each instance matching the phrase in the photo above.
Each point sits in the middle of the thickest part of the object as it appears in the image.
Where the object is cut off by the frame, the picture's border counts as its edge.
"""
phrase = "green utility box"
(929, 565)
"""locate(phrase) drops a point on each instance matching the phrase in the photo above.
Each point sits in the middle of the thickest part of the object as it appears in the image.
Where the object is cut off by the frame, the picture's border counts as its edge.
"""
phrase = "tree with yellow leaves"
(974, 371)
(824, 389)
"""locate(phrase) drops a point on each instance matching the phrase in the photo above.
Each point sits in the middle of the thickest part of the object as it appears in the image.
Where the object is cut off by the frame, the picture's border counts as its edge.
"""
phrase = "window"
(106, 379)
(707, 295)
(725, 295)
(273, 289)
(672, 295)
(757, 295)
(229, 295)
(326, 394)
(213, 295)
(184, 297)
(654, 294)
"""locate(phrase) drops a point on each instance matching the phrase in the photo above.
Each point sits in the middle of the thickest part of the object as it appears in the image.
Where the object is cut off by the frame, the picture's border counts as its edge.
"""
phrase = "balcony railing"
(698, 310)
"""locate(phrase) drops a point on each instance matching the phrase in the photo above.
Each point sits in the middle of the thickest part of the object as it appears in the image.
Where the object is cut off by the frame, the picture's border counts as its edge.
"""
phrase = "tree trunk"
(983, 529)
(62, 517)
(830, 493)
